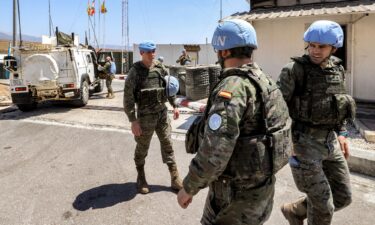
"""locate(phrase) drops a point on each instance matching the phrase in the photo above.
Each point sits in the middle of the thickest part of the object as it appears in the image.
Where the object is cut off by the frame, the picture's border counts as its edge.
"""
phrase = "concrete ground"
(54, 172)
(362, 158)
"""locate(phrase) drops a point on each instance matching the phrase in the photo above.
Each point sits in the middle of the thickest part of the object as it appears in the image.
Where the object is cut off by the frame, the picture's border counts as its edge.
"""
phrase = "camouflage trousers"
(160, 123)
(108, 82)
(238, 207)
(321, 171)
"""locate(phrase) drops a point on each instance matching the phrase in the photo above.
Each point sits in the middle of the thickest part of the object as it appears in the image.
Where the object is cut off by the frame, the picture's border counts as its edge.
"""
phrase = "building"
(202, 54)
(280, 25)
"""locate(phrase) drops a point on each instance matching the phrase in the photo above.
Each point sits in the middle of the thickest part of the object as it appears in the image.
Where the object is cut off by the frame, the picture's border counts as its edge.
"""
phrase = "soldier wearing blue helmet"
(244, 105)
(314, 87)
(145, 94)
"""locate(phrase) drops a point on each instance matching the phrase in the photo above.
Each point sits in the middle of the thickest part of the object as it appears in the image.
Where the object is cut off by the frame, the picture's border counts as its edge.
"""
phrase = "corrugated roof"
(342, 8)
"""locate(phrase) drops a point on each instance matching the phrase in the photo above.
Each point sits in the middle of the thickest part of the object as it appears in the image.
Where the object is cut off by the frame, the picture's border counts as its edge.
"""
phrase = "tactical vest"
(256, 157)
(320, 98)
(150, 94)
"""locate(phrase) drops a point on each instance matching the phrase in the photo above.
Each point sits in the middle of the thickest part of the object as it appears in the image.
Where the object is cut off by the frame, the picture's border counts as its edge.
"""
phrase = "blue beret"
(147, 46)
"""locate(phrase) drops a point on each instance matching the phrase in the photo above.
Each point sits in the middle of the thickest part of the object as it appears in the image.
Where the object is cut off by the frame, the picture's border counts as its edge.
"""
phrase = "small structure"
(280, 25)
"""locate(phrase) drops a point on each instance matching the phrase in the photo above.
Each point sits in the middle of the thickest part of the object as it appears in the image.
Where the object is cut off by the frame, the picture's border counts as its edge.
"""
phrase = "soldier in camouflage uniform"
(232, 159)
(144, 104)
(106, 68)
(314, 88)
(184, 59)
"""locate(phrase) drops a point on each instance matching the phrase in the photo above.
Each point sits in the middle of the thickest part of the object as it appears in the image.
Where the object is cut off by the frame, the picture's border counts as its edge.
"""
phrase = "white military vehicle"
(62, 72)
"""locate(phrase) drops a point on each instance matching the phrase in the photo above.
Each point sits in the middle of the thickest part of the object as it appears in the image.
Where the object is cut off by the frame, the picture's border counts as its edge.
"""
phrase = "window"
(88, 58)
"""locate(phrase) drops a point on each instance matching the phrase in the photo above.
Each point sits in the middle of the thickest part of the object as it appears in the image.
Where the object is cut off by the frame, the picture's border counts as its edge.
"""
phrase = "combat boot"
(176, 182)
(111, 95)
(142, 186)
(108, 94)
(295, 212)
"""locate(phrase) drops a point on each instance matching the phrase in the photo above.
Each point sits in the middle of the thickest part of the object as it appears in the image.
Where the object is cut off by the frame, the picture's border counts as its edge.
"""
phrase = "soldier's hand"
(136, 129)
(176, 113)
(184, 199)
(344, 146)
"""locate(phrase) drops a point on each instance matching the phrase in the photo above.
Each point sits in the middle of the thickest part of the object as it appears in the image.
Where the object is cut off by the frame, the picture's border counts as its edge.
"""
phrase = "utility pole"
(125, 36)
(14, 22)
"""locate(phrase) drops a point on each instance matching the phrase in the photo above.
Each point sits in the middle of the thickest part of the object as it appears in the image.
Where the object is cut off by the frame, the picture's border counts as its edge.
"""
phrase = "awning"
(338, 8)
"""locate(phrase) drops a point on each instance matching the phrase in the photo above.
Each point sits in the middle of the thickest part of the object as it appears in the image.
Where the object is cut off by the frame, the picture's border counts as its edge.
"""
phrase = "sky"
(163, 21)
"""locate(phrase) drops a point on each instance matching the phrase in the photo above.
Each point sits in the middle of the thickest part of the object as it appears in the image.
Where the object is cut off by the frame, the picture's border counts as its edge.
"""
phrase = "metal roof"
(341, 8)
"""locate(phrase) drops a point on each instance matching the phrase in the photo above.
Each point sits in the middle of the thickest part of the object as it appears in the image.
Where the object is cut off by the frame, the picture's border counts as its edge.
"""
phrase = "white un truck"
(61, 72)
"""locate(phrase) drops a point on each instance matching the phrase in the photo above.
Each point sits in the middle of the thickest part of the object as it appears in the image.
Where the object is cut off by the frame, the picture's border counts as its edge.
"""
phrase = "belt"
(314, 130)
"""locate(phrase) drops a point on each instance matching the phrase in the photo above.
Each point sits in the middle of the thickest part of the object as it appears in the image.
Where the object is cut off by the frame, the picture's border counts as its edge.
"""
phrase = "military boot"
(142, 186)
(295, 212)
(108, 94)
(111, 95)
(176, 182)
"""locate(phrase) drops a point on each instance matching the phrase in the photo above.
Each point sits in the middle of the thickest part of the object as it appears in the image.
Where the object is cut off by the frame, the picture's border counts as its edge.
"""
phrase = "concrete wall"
(171, 53)
(364, 58)
(283, 38)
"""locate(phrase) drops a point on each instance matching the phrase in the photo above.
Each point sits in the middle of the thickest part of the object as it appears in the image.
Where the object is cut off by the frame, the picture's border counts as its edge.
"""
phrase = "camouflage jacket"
(316, 96)
(183, 59)
(107, 68)
(131, 85)
(235, 100)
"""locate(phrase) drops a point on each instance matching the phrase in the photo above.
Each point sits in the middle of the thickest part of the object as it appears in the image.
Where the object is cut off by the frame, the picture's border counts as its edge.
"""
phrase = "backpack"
(112, 70)
(194, 135)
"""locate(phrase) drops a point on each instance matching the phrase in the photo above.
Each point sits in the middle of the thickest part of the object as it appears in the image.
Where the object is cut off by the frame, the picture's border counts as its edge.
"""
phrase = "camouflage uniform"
(239, 192)
(109, 77)
(183, 59)
(153, 116)
(319, 107)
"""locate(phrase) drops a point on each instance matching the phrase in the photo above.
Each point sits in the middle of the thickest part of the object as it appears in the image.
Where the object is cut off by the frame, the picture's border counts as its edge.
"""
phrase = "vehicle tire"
(84, 94)
(100, 86)
(27, 107)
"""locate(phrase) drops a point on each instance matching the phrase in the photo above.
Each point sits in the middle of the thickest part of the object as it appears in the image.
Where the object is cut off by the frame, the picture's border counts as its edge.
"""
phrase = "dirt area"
(356, 139)
(4, 93)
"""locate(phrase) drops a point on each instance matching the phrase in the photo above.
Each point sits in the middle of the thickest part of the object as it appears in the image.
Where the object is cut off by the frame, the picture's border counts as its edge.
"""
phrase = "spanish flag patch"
(225, 94)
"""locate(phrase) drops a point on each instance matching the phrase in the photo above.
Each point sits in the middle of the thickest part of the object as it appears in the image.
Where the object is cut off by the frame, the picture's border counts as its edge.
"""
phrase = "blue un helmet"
(234, 33)
(325, 32)
(172, 85)
(147, 46)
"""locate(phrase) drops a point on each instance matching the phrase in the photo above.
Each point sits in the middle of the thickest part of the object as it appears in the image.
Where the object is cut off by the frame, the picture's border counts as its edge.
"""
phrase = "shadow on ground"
(111, 194)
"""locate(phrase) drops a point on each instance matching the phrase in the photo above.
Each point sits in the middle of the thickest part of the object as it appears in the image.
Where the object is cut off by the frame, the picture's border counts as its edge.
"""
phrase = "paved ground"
(59, 173)
(64, 165)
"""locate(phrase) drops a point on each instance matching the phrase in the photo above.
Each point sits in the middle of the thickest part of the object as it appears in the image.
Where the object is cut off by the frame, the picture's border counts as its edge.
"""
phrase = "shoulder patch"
(214, 122)
(225, 94)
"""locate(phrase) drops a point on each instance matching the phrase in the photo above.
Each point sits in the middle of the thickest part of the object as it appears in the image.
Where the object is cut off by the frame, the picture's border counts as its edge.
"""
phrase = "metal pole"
(122, 37)
(100, 42)
(127, 35)
(49, 17)
(221, 9)
(14, 22)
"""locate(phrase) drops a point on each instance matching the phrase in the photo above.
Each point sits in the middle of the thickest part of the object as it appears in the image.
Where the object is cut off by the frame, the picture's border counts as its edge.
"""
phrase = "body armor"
(320, 97)
(263, 151)
(150, 94)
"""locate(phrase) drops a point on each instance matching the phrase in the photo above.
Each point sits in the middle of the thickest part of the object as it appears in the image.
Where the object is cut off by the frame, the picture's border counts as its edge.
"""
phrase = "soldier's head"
(323, 37)
(161, 59)
(234, 39)
(108, 59)
(183, 51)
(147, 51)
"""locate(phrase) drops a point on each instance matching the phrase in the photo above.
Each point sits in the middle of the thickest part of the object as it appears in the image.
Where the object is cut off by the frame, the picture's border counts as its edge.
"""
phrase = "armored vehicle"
(64, 70)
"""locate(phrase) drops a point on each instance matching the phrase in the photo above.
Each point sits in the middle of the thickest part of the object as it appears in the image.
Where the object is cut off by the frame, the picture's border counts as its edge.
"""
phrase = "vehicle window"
(88, 57)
